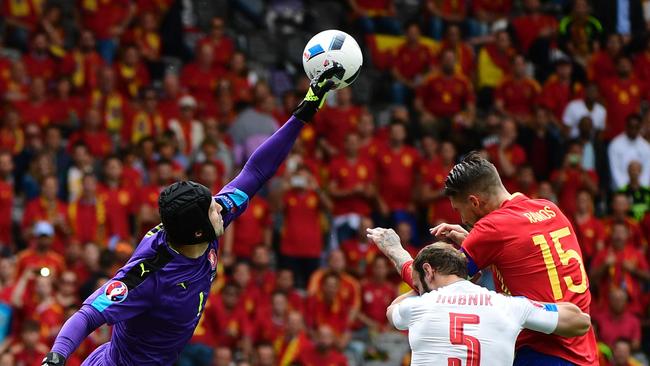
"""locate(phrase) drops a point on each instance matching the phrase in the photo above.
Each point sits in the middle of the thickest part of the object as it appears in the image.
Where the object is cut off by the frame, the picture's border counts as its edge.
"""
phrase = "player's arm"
(564, 319)
(266, 159)
(74, 331)
(399, 311)
(389, 243)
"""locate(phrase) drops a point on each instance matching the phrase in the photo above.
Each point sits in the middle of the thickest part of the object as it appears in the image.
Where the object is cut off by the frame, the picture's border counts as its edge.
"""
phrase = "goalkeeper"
(155, 301)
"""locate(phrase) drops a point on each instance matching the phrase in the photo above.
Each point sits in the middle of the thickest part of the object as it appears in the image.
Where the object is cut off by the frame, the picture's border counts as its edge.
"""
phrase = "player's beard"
(425, 287)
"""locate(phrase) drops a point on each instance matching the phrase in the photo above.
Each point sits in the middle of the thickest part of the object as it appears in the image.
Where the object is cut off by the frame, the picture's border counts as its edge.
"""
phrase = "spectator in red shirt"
(589, 229)
(38, 109)
(446, 97)
(271, 320)
(109, 101)
(443, 14)
(146, 38)
(329, 308)
(559, 89)
(119, 198)
(334, 123)
(12, 136)
(617, 321)
(263, 276)
(69, 107)
(38, 62)
(324, 351)
(359, 251)
(83, 63)
(302, 203)
(375, 16)
(620, 208)
(41, 254)
(21, 18)
(202, 76)
(88, 214)
(464, 53)
(376, 294)
(284, 282)
(517, 95)
(623, 95)
(294, 340)
(49, 208)
(188, 131)
(252, 229)
(239, 80)
(93, 135)
(602, 64)
(397, 166)
(29, 350)
(571, 178)
(542, 140)
(146, 121)
(433, 172)
(34, 297)
(622, 266)
(17, 86)
(108, 20)
(232, 327)
(350, 292)
(351, 186)
(507, 155)
(6, 199)
(533, 26)
(222, 46)
(411, 65)
(132, 74)
(622, 353)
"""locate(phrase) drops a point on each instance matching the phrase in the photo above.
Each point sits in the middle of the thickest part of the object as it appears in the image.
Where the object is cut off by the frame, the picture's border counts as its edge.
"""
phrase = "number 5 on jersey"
(565, 258)
(457, 336)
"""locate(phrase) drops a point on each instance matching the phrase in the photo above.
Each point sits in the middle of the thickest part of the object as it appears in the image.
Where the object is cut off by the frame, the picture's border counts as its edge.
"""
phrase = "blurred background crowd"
(104, 102)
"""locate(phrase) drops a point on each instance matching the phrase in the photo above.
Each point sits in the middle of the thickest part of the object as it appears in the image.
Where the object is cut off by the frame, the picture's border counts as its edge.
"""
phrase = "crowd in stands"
(105, 102)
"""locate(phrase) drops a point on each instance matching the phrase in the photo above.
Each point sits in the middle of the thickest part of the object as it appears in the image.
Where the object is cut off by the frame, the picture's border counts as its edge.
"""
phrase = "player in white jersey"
(457, 323)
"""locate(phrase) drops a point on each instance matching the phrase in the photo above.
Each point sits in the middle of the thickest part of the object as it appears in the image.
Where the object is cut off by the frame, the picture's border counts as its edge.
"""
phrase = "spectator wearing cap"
(147, 119)
(623, 95)
(112, 104)
(49, 208)
(189, 131)
(40, 254)
(582, 107)
(411, 66)
(617, 321)
(579, 30)
(560, 88)
(83, 63)
(517, 94)
(626, 147)
(6, 199)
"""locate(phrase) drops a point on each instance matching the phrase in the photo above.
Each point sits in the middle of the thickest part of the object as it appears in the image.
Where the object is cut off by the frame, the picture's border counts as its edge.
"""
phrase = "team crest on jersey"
(116, 291)
(212, 257)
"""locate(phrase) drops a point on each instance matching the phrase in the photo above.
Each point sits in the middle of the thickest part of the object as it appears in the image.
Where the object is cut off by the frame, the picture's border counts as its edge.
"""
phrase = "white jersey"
(463, 324)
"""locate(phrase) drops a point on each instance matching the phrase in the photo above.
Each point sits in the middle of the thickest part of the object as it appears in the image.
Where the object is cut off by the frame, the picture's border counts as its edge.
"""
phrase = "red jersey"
(83, 69)
(637, 236)
(534, 252)
(25, 11)
(518, 96)
(335, 314)
(101, 15)
(301, 225)
(37, 113)
(335, 123)
(444, 96)
(131, 79)
(557, 94)
(528, 27)
(31, 259)
(114, 108)
(88, 220)
(358, 255)
(396, 171)
(413, 61)
(464, 57)
(223, 49)
(375, 299)
(99, 142)
(40, 66)
(622, 98)
(589, 233)
(572, 184)
(433, 174)
(346, 175)
(349, 293)
(499, 7)
(143, 124)
(6, 207)
(601, 67)
(119, 203)
(201, 83)
(250, 227)
(311, 356)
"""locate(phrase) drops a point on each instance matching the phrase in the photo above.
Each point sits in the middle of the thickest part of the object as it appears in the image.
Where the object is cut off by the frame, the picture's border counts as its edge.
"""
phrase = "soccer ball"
(333, 45)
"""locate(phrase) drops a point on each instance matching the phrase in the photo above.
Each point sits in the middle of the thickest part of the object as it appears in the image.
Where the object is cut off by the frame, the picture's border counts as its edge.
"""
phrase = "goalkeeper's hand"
(53, 359)
(317, 92)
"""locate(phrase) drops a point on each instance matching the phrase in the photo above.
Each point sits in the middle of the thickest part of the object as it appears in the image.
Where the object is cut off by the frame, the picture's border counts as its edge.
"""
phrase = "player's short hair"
(474, 174)
(442, 257)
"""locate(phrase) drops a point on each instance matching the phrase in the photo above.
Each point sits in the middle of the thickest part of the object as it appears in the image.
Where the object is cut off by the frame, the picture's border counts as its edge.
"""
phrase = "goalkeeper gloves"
(318, 89)
(53, 359)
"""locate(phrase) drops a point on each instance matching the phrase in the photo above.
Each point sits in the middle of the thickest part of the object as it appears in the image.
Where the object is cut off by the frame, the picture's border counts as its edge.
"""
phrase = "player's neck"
(443, 281)
(499, 199)
(191, 251)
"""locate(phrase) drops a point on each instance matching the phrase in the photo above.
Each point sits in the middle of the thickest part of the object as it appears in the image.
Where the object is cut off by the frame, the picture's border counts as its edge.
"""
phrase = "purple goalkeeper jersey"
(156, 300)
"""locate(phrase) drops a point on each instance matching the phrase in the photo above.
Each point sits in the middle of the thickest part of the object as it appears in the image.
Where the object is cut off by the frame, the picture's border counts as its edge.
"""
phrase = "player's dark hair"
(474, 174)
(442, 257)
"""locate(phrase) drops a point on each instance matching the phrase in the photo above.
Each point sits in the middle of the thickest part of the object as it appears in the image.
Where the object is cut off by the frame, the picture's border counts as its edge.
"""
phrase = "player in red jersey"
(531, 247)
